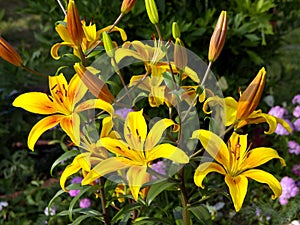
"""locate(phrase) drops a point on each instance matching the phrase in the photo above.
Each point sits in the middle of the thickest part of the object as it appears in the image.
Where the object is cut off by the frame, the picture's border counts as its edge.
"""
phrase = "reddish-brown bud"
(218, 37)
(180, 54)
(127, 6)
(9, 54)
(74, 25)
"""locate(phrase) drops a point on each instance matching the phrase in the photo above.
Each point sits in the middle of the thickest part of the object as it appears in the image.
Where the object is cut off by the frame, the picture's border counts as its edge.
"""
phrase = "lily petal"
(95, 104)
(238, 189)
(205, 168)
(36, 102)
(76, 90)
(259, 156)
(135, 130)
(167, 151)
(266, 178)
(136, 176)
(214, 145)
(105, 167)
(156, 132)
(55, 48)
(71, 125)
(230, 110)
(40, 127)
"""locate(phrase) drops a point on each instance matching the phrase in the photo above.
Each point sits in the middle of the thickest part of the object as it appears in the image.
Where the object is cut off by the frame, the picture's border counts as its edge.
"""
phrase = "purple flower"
(123, 112)
(85, 203)
(294, 147)
(280, 130)
(74, 193)
(296, 169)
(278, 111)
(296, 112)
(159, 167)
(297, 124)
(289, 190)
(76, 180)
(296, 99)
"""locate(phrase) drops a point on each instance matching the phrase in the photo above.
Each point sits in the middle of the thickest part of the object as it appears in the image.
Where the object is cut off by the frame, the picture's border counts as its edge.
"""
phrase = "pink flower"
(289, 190)
(294, 147)
(85, 203)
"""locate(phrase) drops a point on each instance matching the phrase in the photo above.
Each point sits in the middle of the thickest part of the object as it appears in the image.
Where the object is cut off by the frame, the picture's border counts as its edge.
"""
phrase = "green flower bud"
(152, 11)
(108, 45)
(175, 30)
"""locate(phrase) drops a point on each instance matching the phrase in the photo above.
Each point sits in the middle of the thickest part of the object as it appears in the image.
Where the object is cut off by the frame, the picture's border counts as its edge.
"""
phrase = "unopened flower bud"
(218, 37)
(180, 55)
(9, 54)
(152, 11)
(175, 30)
(74, 25)
(96, 86)
(108, 45)
(127, 6)
(251, 96)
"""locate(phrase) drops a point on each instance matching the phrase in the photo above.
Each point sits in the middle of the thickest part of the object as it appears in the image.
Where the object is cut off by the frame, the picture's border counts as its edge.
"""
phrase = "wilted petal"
(238, 189)
(205, 168)
(40, 127)
(266, 178)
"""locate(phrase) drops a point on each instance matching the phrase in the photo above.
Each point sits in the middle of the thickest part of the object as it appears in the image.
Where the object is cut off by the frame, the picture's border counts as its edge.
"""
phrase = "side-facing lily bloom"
(237, 163)
(137, 151)
(62, 106)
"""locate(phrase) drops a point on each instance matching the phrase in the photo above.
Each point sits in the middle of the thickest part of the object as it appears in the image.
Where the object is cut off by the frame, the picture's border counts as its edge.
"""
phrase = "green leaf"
(156, 189)
(202, 214)
(177, 212)
(124, 212)
(62, 158)
(148, 221)
(79, 219)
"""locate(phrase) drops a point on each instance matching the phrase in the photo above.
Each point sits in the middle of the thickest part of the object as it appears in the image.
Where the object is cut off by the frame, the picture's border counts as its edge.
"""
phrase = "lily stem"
(103, 202)
(33, 71)
(184, 199)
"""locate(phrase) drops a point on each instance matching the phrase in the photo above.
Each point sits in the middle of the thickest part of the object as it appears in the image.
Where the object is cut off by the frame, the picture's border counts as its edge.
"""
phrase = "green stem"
(184, 200)
(103, 202)
(33, 71)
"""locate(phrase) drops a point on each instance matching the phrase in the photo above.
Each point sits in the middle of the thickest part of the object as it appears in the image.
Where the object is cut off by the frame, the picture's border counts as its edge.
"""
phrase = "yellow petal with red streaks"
(136, 176)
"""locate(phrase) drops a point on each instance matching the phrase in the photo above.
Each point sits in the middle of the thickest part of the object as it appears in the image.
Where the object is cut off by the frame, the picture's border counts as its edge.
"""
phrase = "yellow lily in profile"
(136, 152)
(90, 38)
(237, 163)
(243, 112)
(61, 106)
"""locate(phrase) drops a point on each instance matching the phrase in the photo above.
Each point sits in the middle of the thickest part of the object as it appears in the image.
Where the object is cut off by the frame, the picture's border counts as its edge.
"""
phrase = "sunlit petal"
(115, 28)
(135, 130)
(156, 133)
(205, 168)
(144, 85)
(55, 48)
(167, 151)
(259, 156)
(69, 170)
(95, 104)
(58, 86)
(136, 176)
(238, 189)
(230, 110)
(266, 178)
(40, 127)
(71, 125)
(121, 53)
(36, 102)
(214, 145)
(76, 90)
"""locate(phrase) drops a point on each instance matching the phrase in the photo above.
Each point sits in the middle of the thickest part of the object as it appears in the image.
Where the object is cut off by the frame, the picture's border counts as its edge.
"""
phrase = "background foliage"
(261, 33)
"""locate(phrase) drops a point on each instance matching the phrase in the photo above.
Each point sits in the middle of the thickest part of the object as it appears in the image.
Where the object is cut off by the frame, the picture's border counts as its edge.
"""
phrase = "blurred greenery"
(260, 33)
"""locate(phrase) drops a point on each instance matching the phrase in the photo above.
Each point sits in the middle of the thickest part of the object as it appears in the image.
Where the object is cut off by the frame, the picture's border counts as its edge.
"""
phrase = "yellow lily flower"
(61, 106)
(95, 153)
(136, 152)
(230, 118)
(236, 162)
(90, 38)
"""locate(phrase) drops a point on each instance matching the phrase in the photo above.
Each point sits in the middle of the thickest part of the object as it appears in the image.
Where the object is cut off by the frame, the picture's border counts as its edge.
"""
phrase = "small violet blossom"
(123, 112)
(297, 124)
(296, 99)
(280, 112)
(289, 190)
(159, 167)
(296, 112)
(294, 147)
(85, 203)
(296, 169)
(75, 180)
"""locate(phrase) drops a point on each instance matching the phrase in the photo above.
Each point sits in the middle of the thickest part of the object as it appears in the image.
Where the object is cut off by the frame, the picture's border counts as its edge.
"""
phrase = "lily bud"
(9, 54)
(251, 96)
(218, 37)
(108, 45)
(180, 55)
(96, 86)
(175, 30)
(127, 6)
(152, 11)
(74, 25)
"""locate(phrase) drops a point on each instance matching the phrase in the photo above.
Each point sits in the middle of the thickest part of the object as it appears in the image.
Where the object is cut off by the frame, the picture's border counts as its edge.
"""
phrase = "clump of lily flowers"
(146, 142)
